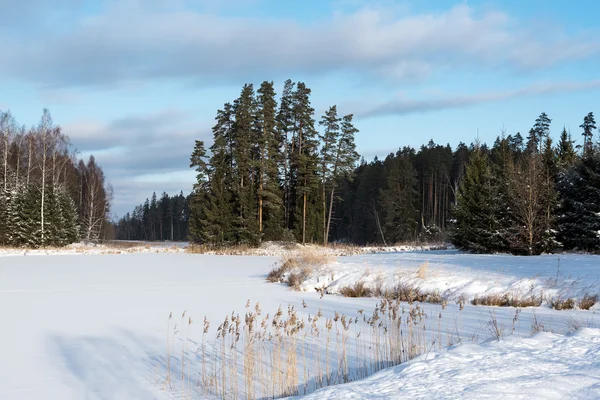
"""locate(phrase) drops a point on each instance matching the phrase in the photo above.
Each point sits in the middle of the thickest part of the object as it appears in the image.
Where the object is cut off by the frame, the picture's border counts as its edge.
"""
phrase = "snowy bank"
(547, 366)
(455, 276)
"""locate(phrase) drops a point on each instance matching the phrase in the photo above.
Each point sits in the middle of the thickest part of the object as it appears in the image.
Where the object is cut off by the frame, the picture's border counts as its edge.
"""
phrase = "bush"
(562, 304)
(588, 301)
(357, 290)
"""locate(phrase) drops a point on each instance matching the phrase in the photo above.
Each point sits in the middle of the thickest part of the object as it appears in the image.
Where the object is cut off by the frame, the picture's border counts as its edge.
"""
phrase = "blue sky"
(135, 82)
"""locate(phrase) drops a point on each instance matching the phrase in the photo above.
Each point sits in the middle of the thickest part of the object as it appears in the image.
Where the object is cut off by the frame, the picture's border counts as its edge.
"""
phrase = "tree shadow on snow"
(119, 366)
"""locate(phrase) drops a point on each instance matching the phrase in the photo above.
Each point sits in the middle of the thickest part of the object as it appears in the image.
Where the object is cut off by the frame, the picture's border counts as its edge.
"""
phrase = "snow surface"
(545, 366)
(94, 326)
(453, 274)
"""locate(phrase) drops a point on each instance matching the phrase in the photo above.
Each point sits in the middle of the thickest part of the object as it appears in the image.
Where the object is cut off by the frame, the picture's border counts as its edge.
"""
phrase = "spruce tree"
(477, 225)
(579, 208)
(4, 215)
(566, 151)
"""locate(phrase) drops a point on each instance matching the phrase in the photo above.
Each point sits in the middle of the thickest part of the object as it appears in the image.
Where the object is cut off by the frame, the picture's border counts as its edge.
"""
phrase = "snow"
(545, 366)
(454, 274)
(94, 325)
(117, 247)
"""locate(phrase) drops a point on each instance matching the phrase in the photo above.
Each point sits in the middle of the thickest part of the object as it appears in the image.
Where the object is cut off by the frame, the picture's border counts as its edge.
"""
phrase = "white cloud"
(132, 41)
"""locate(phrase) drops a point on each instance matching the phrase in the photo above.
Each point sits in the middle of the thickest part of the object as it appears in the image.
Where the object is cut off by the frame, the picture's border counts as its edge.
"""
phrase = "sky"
(135, 82)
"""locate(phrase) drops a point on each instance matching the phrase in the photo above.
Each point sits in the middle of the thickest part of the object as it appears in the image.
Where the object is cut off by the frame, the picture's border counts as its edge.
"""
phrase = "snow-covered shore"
(95, 326)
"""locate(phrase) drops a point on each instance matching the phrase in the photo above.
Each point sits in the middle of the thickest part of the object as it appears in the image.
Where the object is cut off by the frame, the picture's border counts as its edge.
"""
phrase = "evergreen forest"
(275, 171)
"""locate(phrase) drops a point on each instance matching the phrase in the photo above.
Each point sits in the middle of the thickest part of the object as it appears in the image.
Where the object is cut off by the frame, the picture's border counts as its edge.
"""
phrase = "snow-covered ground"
(116, 247)
(453, 274)
(545, 366)
(96, 326)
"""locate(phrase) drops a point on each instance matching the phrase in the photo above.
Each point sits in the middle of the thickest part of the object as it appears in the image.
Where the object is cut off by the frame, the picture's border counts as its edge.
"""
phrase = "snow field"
(98, 327)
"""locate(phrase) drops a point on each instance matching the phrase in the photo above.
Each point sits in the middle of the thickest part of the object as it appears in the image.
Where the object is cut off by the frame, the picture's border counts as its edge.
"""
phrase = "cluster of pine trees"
(532, 197)
(47, 196)
(156, 219)
(271, 174)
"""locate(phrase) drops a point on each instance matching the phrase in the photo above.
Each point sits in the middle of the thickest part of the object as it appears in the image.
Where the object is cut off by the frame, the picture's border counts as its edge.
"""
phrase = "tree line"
(156, 219)
(276, 171)
(47, 196)
(532, 197)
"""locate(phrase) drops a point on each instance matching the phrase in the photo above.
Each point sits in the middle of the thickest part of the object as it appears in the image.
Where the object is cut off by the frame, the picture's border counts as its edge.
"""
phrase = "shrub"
(588, 301)
(296, 267)
(357, 290)
(562, 304)
(505, 300)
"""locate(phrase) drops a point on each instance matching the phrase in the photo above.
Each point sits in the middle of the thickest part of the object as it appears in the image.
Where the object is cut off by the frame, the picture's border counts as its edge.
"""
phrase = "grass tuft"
(506, 300)
(562, 304)
(297, 267)
(588, 301)
(357, 290)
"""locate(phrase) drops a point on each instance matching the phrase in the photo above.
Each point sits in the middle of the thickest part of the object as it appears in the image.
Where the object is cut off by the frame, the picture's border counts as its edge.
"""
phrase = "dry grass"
(298, 266)
(412, 293)
(507, 300)
(287, 354)
(359, 289)
(422, 270)
(588, 301)
(237, 250)
(562, 304)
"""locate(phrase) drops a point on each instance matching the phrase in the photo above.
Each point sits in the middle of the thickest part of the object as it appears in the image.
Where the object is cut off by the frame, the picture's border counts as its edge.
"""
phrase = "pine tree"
(305, 164)
(285, 127)
(329, 139)
(270, 143)
(588, 126)
(401, 198)
(201, 204)
(245, 137)
(542, 129)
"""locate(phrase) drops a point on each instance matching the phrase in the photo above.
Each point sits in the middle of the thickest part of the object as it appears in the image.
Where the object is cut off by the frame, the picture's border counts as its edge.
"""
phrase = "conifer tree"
(401, 198)
(477, 227)
(588, 126)
(305, 164)
(566, 151)
(579, 210)
(245, 137)
(270, 201)
(286, 127)
(329, 139)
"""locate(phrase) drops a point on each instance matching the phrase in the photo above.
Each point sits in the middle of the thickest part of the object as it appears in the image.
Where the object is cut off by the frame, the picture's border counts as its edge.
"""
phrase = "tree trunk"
(304, 221)
(329, 217)
(325, 227)
(44, 147)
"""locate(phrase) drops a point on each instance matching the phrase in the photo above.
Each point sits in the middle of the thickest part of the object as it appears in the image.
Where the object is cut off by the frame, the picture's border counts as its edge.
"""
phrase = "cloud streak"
(407, 106)
(134, 41)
